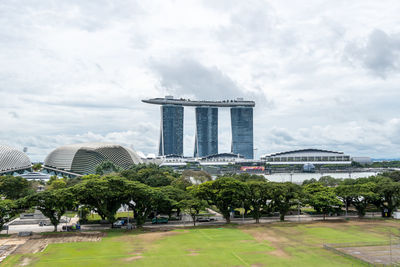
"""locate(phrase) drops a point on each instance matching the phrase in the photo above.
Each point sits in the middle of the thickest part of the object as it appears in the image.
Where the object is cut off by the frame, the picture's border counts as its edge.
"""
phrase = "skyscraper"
(171, 130)
(206, 136)
(242, 131)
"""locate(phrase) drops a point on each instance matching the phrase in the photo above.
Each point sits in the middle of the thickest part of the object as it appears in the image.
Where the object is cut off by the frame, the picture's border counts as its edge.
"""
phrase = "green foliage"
(226, 193)
(142, 199)
(258, 193)
(58, 184)
(105, 195)
(322, 198)
(245, 177)
(107, 167)
(52, 203)
(170, 200)
(151, 175)
(394, 175)
(284, 195)
(8, 209)
(192, 205)
(37, 167)
(198, 176)
(15, 187)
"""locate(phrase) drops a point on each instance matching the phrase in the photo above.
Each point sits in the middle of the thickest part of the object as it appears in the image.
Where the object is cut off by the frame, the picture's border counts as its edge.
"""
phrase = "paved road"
(187, 221)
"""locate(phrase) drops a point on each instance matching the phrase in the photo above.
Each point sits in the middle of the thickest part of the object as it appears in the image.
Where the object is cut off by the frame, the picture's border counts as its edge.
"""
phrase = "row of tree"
(147, 189)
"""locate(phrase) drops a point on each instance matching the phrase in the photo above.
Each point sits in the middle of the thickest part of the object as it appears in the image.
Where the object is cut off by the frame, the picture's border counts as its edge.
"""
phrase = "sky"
(323, 74)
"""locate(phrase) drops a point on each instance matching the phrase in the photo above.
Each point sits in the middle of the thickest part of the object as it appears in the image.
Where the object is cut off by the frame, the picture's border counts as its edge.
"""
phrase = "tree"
(310, 181)
(284, 195)
(198, 176)
(394, 175)
(15, 187)
(36, 167)
(52, 203)
(192, 206)
(170, 201)
(246, 177)
(329, 181)
(258, 194)
(107, 167)
(359, 194)
(323, 199)
(7, 211)
(142, 199)
(226, 193)
(151, 175)
(388, 194)
(105, 195)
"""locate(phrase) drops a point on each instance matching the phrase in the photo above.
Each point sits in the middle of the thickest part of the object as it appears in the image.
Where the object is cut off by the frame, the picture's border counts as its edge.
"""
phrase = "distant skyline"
(324, 74)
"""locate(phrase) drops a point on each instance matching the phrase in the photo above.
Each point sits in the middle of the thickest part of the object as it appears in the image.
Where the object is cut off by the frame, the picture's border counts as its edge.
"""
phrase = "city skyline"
(324, 74)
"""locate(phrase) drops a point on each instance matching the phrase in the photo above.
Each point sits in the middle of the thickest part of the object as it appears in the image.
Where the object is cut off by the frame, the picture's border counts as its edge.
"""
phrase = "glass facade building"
(242, 131)
(206, 137)
(171, 131)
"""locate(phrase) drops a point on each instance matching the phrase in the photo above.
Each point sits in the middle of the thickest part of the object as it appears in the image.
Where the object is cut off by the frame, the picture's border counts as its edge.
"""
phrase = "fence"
(336, 248)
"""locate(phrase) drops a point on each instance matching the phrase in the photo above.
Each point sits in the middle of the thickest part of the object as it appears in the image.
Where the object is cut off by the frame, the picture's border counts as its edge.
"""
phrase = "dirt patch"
(257, 265)
(133, 258)
(262, 234)
(25, 261)
(38, 243)
(193, 252)
(154, 236)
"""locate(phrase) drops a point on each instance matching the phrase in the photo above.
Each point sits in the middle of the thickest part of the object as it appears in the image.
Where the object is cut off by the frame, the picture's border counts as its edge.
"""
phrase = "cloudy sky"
(324, 74)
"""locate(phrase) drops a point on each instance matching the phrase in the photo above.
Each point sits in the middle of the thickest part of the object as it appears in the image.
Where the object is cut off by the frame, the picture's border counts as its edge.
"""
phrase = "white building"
(315, 156)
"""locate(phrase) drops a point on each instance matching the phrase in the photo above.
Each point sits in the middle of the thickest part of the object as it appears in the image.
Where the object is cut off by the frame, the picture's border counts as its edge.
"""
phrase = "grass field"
(279, 244)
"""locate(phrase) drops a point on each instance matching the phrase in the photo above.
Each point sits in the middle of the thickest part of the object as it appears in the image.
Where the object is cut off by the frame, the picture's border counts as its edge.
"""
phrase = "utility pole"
(243, 212)
(298, 210)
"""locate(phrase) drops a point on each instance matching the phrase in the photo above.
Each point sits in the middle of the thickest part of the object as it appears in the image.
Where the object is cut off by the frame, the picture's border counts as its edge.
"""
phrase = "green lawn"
(280, 244)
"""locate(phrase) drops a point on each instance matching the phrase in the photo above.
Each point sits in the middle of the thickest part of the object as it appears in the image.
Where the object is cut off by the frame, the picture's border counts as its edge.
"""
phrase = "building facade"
(242, 131)
(83, 158)
(206, 133)
(314, 156)
(206, 136)
(13, 160)
(171, 130)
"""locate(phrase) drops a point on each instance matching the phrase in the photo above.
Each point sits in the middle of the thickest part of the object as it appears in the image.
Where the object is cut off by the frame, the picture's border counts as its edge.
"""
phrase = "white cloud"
(323, 74)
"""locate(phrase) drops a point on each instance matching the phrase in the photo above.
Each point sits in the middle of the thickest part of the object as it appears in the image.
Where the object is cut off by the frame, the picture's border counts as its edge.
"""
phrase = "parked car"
(205, 219)
(42, 223)
(118, 224)
(70, 228)
(158, 220)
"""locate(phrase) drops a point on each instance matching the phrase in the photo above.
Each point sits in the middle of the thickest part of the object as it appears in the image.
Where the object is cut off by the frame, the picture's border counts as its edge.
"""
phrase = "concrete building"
(171, 130)
(242, 131)
(314, 156)
(206, 134)
(13, 161)
(206, 137)
(85, 157)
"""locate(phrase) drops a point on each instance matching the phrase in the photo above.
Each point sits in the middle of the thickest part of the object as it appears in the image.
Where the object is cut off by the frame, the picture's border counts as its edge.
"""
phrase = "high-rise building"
(206, 137)
(171, 130)
(242, 131)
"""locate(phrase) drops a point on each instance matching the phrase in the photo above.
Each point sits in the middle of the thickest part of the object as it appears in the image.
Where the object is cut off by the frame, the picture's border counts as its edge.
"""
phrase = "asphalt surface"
(186, 222)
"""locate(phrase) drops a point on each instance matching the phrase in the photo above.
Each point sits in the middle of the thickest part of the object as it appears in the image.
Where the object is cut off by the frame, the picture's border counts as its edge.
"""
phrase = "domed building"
(13, 160)
(85, 157)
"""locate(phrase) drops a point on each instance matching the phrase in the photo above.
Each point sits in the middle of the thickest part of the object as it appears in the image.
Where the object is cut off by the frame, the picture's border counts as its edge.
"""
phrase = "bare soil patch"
(261, 234)
(154, 236)
(38, 243)
(193, 252)
(133, 258)
(25, 261)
